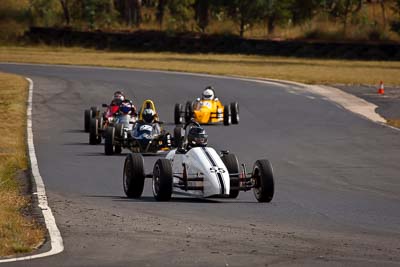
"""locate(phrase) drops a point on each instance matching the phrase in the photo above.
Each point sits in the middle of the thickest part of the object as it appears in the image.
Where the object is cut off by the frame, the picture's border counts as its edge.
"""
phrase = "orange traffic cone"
(381, 89)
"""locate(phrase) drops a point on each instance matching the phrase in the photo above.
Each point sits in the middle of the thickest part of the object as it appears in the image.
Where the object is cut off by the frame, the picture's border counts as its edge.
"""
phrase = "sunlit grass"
(394, 122)
(313, 71)
(18, 234)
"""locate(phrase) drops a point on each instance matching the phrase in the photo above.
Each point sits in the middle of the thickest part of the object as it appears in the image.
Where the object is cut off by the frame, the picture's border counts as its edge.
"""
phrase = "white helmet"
(208, 94)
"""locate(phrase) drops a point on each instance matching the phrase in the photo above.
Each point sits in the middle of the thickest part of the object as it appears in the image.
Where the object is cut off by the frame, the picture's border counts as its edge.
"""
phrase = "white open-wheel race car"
(199, 172)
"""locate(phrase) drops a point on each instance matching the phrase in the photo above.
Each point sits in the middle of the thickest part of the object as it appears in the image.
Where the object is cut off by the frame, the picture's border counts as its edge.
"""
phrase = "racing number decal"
(207, 104)
(217, 170)
(146, 128)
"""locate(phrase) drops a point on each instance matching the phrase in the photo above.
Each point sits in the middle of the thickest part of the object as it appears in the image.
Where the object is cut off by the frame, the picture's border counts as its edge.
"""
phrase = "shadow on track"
(75, 131)
(147, 199)
(174, 199)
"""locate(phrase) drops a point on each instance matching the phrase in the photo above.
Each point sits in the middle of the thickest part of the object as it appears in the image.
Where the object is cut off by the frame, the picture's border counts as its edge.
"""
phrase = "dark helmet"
(197, 136)
(148, 115)
(125, 107)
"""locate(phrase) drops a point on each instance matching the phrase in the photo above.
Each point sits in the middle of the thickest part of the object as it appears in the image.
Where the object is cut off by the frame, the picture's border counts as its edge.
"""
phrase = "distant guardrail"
(160, 41)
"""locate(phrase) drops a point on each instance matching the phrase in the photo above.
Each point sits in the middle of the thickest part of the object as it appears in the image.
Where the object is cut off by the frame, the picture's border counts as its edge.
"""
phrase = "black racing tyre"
(232, 164)
(109, 141)
(133, 176)
(188, 111)
(93, 131)
(162, 180)
(227, 115)
(94, 111)
(118, 149)
(119, 130)
(264, 181)
(178, 118)
(87, 117)
(178, 138)
(235, 112)
(99, 129)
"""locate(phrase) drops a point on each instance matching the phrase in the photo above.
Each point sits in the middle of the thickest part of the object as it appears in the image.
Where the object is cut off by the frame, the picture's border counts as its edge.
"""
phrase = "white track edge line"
(56, 240)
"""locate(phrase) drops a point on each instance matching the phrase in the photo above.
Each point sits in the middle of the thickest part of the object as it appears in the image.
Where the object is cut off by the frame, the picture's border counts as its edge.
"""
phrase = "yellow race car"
(207, 111)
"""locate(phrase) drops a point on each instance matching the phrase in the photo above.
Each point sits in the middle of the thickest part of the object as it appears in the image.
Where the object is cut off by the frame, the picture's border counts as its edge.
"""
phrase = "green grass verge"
(18, 233)
(311, 71)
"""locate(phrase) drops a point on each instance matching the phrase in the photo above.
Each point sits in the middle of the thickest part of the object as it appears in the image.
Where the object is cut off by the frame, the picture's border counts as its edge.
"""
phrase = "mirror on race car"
(104, 105)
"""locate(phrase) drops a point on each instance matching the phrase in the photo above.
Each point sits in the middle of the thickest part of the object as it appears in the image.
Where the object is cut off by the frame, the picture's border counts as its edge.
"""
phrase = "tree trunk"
(65, 8)
(161, 12)
(137, 12)
(383, 8)
(242, 24)
(202, 13)
(345, 14)
(271, 24)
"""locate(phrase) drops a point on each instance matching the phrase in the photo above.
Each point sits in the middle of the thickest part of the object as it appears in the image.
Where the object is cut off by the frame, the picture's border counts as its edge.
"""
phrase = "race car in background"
(97, 122)
(144, 135)
(196, 170)
(207, 110)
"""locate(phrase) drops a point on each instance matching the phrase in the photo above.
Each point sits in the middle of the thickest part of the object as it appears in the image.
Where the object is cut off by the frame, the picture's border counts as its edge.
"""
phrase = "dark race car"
(143, 136)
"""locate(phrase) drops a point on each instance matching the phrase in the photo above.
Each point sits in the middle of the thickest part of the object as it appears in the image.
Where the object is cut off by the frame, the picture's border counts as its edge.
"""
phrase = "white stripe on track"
(56, 240)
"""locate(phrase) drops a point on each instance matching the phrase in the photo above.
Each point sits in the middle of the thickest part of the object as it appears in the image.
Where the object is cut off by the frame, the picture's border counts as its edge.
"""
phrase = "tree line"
(182, 13)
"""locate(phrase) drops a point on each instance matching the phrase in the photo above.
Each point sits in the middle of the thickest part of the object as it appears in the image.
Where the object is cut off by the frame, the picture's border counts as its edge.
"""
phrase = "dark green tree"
(277, 11)
(181, 12)
(202, 13)
(342, 9)
(244, 12)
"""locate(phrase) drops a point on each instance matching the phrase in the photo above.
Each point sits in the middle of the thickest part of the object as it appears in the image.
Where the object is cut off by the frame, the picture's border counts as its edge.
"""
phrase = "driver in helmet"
(149, 116)
(118, 97)
(196, 137)
(208, 93)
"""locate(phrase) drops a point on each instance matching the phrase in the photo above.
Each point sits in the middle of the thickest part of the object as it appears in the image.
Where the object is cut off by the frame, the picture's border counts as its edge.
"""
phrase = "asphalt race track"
(337, 178)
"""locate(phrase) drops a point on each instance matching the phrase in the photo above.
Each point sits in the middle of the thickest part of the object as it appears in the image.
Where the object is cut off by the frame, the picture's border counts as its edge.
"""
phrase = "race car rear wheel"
(235, 112)
(188, 111)
(178, 118)
(93, 133)
(232, 164)
(133, 176)
(118, 149)
(94, 111)
(227, 115)
(178, 136)
(109, 141)
(119, 127)
(162, 180)
(99, 129)
(264, 181)
(87, 117)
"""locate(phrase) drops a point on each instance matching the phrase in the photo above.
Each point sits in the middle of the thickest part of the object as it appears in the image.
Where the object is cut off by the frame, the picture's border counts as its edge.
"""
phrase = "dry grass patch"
(394, 122)
(311, 71)
(18, 234)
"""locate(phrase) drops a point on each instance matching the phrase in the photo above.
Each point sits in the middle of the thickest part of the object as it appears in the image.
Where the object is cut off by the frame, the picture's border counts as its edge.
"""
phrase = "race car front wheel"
(133, 176)
(188, 111)
(109, 141)
(87, 117)
(162, 180)
(232, 164)
(263, 181)
(227, 115)
(235, 112)
(93, 133)
(178, 118)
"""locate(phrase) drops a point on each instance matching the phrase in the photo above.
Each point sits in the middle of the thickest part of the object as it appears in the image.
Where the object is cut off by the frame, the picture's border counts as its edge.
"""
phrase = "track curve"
(337, 187)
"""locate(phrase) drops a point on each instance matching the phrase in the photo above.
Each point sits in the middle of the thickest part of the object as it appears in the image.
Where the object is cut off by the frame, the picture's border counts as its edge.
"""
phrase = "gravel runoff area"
(388, 104)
